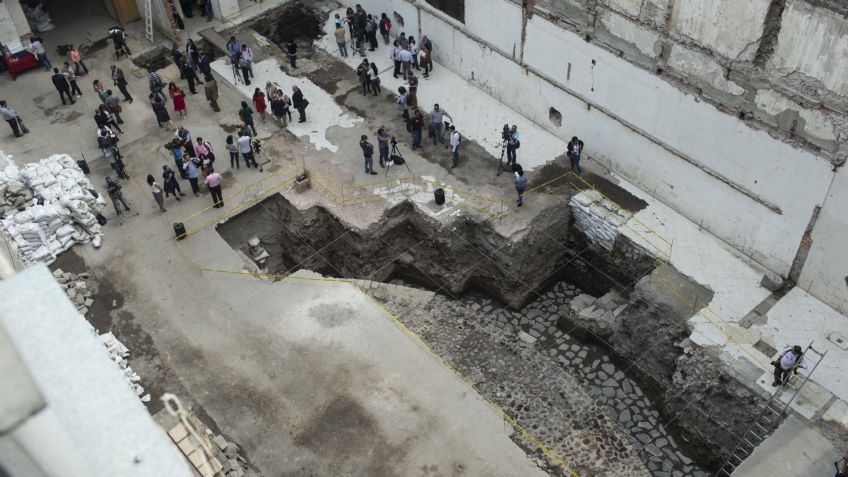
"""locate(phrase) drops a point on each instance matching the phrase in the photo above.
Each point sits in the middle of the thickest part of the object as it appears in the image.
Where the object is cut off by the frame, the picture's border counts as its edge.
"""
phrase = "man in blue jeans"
(40, 52)
(512, 144)
(575, 149)
(383, 143)
(368, 154)
(417, 127)
(436, 123)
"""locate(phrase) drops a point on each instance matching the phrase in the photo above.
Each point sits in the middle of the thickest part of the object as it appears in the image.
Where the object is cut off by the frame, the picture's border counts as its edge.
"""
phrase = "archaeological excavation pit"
(550, 326)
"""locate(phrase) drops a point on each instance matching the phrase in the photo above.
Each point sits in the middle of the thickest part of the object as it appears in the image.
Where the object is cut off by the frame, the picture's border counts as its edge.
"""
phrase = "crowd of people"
(194, 159)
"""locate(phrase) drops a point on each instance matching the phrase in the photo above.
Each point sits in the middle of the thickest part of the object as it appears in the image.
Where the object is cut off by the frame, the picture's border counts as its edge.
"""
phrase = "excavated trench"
(639, 369)
(293, 21)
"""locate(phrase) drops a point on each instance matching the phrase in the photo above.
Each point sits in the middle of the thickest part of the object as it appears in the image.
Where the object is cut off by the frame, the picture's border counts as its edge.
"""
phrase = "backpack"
(369, 149)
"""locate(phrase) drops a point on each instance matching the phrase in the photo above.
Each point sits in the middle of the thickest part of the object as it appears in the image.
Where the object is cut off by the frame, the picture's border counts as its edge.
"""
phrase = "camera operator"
(114, 191)
(107, 141)
(368, 154)
(512, 143)
(383, 144)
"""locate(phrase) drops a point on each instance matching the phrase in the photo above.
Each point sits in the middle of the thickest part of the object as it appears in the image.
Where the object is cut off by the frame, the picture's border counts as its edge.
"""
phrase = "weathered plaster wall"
(722, 140)
(13, 24)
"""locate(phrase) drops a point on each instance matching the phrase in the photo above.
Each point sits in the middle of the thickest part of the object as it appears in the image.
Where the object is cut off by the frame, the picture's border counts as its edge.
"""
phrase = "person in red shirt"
(259, 102)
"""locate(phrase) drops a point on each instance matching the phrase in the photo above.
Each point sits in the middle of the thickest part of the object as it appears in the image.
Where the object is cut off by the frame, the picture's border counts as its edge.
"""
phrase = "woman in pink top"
(179, 99)
(77, 61)
(203, 147)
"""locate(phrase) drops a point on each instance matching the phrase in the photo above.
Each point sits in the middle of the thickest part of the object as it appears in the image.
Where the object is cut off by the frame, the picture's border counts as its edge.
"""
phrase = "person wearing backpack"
(512, 144)
(368, 153)
(114, 191)
(787, 362)
(385, 27)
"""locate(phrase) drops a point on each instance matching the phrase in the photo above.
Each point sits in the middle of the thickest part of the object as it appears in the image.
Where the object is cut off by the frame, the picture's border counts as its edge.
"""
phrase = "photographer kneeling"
(512, 143)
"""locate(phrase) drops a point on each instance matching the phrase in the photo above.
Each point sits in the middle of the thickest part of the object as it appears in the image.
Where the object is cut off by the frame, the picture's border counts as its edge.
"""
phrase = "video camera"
(173, 143)
(506, 132)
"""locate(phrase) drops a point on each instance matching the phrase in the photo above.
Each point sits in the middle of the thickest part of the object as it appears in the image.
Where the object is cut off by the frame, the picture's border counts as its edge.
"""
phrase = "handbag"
(305, 103)
(210, 155)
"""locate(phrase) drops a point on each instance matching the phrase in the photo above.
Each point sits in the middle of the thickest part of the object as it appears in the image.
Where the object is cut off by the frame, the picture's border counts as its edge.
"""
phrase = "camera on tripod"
(393, 141)
(257, 146)
(506, 132)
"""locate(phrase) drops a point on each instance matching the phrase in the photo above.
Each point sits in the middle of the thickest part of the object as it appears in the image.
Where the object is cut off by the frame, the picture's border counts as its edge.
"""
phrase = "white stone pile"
(80, 289)
(119, 354)
(598, 218)
(47, 207)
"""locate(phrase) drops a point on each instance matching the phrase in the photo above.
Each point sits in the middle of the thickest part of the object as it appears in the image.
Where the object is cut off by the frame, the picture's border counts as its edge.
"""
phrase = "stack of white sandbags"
(597, 217)
(13, 192)
(61, 213)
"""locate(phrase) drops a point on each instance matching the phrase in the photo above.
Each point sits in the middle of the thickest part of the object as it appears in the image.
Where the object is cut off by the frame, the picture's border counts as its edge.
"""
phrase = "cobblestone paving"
(566, 393)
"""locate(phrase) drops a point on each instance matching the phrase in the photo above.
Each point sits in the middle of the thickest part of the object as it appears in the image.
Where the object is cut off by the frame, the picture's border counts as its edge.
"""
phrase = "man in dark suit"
(190, 76)
(299, 103)
(60, 81)
(121, 82)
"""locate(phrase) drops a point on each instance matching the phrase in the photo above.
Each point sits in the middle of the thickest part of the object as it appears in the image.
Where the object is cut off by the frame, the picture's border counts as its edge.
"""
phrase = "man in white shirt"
(789, 360)
(243, 143)
(454, 145)
(38, 49)
(405, 58)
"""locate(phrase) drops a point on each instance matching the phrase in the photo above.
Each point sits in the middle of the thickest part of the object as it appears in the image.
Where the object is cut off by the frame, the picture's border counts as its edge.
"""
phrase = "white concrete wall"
(827, 264)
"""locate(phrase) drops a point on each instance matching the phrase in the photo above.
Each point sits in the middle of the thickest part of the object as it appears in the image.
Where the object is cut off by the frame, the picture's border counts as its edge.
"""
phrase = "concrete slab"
(794, 450)
(86, 395)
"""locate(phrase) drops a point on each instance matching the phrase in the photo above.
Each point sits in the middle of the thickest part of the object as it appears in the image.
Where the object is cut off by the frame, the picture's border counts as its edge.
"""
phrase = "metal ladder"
(769, 417)
(148, 20)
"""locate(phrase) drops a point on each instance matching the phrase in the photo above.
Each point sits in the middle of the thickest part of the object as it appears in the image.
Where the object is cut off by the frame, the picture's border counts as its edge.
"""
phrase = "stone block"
(815, 122)
(88, 302)
(644, 39)
(771, 281)
(728, 27)
(703, 69)
(220, 442)
(526, 337)
(813, 41)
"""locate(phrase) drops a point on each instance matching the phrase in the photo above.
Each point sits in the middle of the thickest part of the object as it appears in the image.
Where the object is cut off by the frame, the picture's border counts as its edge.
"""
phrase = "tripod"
(500, 161)
(237, 79)
(395, 157)
(257, 157)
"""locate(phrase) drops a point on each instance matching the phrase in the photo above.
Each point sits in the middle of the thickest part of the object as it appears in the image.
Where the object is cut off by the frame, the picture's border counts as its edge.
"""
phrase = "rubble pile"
(600, 315)
(234, 465)
(597, 217)
(48, 206)
(78, 287)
